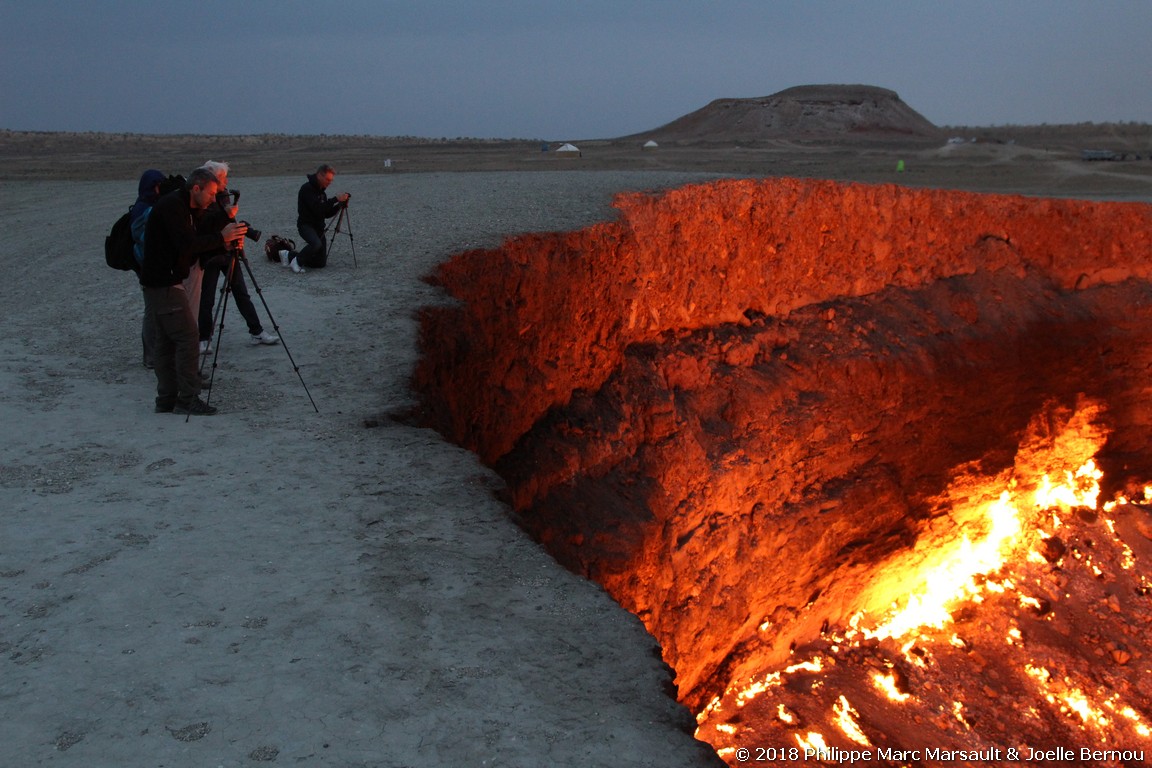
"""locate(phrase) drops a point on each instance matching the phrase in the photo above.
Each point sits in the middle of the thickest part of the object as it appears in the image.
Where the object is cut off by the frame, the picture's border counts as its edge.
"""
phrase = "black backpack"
(275, 244)
(119, 250)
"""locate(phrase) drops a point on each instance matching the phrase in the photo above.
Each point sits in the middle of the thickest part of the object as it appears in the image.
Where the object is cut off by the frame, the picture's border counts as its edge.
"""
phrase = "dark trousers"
(239, 295)
(148, 340)
(177, 351)
(315, 254)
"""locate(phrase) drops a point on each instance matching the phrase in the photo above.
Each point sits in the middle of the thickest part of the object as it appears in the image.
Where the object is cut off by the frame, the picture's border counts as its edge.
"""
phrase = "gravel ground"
(277, 584)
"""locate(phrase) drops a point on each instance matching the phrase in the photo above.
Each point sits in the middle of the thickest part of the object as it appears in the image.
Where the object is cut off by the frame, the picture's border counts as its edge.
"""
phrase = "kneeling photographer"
(313, 207)
(221, 213)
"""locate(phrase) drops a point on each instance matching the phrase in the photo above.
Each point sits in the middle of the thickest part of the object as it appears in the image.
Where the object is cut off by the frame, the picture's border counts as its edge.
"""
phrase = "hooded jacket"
(146, 197)
(146, 194)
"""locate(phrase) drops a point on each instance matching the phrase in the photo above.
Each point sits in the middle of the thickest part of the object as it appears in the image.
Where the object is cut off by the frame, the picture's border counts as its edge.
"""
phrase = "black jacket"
(171, 242)
(313, 205)
(213, 219)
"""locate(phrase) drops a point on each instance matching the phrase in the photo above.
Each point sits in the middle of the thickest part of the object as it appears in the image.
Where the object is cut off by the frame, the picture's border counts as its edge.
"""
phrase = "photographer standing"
(171, 246)
(216, 217)
(148, 194)
(313, 206)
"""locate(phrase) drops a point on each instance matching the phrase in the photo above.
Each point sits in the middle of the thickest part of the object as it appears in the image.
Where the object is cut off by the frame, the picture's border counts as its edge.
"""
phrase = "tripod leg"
(351, 240)
(335, 232)
(343, 219)
(276, 327)
(219, 314)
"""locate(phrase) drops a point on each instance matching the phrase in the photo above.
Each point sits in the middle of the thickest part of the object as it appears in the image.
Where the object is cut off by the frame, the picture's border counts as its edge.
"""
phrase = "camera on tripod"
(252, 234)
(172, 183)
(230, 198)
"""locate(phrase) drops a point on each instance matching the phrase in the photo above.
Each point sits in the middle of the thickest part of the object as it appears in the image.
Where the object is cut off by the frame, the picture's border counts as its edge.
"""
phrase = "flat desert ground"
(328, 586)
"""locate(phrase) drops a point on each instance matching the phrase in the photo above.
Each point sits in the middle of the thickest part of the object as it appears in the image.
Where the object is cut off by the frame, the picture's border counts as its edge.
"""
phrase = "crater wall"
(732, 402)
(549, 314)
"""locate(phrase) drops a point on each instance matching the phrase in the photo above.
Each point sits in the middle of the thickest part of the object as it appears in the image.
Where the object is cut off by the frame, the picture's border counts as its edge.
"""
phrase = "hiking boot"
(285, 257)
(205, 347)
(164, 407)
(264, 338)
(295, 265)
(196, 407)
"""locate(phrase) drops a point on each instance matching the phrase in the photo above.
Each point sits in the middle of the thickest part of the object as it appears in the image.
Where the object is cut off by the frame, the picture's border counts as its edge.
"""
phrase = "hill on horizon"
(801, 112)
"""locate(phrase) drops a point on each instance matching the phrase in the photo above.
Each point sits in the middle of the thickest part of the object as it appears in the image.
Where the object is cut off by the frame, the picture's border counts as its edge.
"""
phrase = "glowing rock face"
(752, 410)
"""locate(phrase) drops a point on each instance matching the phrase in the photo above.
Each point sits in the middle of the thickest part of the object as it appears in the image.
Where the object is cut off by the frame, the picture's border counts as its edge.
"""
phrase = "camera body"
(229, 198)
(172, 183)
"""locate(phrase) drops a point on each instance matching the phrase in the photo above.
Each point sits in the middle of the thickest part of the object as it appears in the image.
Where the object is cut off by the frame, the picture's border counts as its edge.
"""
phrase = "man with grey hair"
(172, 245)
(219, 214)
(313, 207)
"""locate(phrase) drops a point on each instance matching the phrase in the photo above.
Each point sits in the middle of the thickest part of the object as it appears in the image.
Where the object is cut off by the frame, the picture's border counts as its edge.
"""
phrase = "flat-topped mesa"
(802, 112)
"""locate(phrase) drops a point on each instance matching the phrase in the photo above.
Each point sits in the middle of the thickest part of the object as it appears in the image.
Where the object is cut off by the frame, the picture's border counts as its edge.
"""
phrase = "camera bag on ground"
(118, 245)
(275, 244)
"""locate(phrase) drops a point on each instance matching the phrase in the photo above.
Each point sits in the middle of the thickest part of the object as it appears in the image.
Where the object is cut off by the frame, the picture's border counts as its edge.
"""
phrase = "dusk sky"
(553, 70)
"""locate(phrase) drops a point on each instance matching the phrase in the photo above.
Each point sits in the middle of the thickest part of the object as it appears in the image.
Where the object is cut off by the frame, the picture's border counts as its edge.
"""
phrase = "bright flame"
(1079, 703)
(958, 713)
(755, 689)
(1040, 673)
(813, 741)
(1079, 489)
(975, 568)
(814, 665)
(1072, 700)
(954, 576)
(846, 720)
(887, 684)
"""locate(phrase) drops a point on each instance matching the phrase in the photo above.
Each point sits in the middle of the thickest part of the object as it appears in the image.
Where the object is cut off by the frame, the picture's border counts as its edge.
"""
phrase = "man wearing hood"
(147, 194)
(313, 206)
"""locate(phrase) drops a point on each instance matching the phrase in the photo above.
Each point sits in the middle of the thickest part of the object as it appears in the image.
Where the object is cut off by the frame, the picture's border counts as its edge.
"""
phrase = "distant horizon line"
(495, 139)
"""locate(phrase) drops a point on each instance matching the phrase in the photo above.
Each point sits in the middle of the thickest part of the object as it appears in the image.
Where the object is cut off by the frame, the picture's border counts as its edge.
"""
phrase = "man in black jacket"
(171, 246)
(313, 206)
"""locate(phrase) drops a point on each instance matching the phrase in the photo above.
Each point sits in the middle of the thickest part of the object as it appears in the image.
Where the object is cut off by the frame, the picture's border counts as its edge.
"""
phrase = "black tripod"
(235, 256)
(345, 219)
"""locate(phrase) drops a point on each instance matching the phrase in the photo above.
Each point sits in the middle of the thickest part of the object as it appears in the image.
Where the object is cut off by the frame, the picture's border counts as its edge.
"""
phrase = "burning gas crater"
(867, 461)
(1023, 629)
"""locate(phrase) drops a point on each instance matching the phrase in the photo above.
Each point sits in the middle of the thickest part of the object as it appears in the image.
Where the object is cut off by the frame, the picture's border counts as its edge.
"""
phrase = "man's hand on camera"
(234, 233)
(343, 197)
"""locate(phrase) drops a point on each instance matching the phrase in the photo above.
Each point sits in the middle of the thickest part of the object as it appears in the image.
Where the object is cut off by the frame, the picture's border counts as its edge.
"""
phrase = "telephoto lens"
(252, 234)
